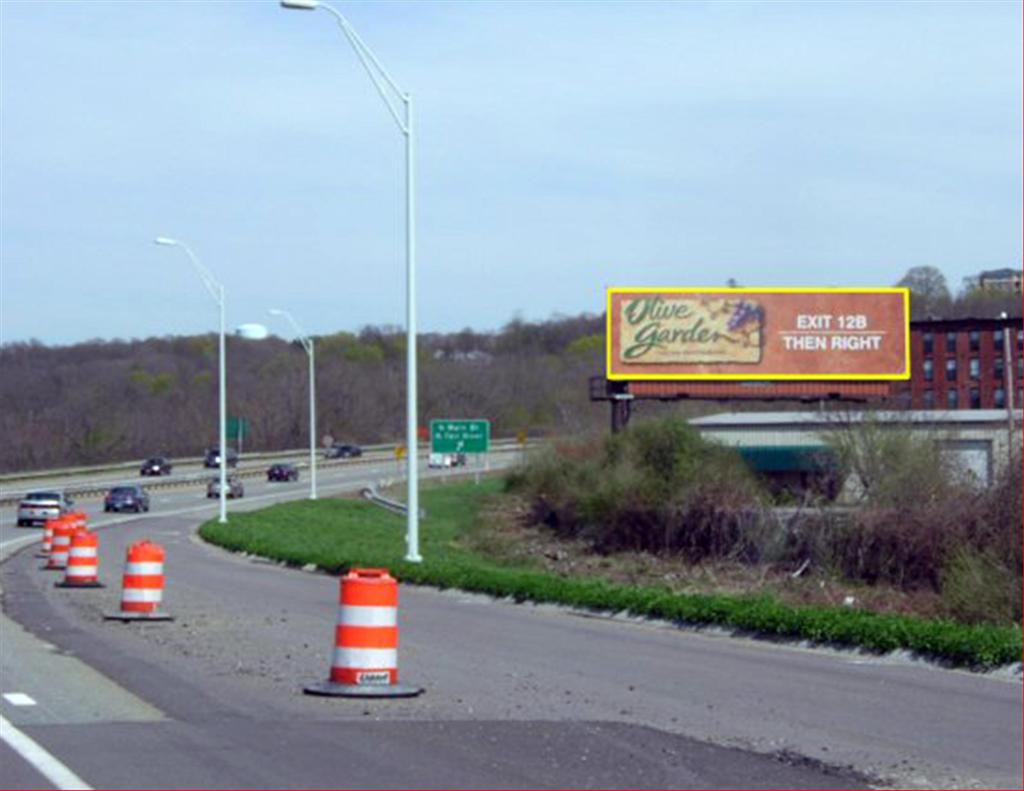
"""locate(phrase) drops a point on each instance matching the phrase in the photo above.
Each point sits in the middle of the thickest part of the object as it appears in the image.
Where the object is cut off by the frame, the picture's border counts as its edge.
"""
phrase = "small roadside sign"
(521, 437)
(399, 452)
(460, 436)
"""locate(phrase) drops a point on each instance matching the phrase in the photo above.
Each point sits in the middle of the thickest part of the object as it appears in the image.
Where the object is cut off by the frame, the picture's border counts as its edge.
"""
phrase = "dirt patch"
(505, 533)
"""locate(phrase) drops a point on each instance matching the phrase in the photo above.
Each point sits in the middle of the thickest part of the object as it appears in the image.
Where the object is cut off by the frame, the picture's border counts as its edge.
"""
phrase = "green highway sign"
(460, 436)
(238, 428)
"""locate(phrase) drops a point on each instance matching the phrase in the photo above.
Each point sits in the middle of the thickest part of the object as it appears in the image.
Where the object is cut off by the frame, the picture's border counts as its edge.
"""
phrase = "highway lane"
(180, 472)
(517, 695)
(234, 718)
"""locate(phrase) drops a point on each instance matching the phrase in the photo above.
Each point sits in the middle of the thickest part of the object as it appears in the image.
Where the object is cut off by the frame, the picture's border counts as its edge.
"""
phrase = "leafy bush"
(658, 487)
(976, 589)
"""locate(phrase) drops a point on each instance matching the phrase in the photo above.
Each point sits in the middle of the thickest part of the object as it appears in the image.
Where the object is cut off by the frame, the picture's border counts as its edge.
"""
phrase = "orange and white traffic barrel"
(365, 658)
(82, 570)
(143, 587)
(77, 518)
(60, 547)
(44, 550)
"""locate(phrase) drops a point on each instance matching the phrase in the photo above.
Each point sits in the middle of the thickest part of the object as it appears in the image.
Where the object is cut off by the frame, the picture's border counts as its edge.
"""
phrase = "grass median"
(336, 535)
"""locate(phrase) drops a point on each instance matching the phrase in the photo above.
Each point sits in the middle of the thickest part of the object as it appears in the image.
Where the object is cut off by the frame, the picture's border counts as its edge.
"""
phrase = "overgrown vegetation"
(337, 535)
(919, 523)
(658, 487)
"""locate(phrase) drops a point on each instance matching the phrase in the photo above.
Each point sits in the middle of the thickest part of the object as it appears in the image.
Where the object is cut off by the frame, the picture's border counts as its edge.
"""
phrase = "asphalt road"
(516, 695)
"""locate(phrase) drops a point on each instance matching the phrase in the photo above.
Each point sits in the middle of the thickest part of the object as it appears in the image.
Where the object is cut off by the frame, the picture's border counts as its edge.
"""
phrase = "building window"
(1020, 339)
(929, 370)
(999, 371)
(999, 398)
(950, 370)
(951, 342)
(997, 340)
(952, 398)
(974, 368)
(975, 340)
(928, 342)
(929, 399)
(975, 398)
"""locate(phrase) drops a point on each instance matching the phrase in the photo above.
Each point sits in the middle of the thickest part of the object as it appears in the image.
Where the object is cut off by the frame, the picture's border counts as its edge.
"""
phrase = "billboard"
(758, 333)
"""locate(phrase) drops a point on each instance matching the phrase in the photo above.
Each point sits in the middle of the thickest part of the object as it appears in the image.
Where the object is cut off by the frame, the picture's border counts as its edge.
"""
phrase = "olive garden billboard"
(755, 333)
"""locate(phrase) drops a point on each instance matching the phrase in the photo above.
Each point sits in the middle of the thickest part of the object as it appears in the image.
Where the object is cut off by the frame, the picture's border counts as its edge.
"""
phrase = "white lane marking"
(48, 766)
(19, 699)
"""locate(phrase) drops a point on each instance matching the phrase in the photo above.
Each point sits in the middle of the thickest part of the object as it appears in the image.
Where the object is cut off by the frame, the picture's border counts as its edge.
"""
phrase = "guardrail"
(377, 452)
(181, 460)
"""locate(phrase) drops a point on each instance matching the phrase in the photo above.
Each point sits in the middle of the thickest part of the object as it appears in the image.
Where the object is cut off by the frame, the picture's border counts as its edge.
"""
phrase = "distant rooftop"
(999, 274)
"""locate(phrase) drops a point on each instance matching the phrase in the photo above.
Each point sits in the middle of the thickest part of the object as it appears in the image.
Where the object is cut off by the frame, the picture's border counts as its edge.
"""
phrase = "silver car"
(36, 507)
(235, 488)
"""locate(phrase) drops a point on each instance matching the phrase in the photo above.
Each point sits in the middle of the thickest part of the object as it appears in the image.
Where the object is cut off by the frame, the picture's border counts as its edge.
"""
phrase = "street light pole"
(389, 91)
(217, 292)
(307, 344)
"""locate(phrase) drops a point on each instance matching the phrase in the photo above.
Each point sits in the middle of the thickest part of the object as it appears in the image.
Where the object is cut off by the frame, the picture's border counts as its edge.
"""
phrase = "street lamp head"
(164, 241)
(300, 5)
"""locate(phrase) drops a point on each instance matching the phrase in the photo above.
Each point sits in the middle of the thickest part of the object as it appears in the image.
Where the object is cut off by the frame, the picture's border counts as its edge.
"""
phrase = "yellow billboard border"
(757, 377)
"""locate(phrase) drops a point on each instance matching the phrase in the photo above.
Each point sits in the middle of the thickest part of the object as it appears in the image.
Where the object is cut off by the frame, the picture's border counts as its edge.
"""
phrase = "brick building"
(959, 364)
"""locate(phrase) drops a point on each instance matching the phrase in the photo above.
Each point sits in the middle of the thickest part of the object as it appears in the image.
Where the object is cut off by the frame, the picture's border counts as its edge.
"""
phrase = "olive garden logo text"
(654, 329)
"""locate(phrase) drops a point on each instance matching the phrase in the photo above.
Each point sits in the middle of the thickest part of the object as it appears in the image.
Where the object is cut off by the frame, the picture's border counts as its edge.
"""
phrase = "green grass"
(336, 535)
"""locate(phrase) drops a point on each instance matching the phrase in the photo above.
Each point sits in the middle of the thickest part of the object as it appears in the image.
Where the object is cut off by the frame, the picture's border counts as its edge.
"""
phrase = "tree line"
(102, 401)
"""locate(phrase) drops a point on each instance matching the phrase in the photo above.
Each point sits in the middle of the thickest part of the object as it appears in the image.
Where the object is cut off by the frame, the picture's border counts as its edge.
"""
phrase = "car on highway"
(212, 459)
(36, 507)
(235, 488)
(443, 460)
(283, 472)
(343, 451)
(156, 465)
(126, 498)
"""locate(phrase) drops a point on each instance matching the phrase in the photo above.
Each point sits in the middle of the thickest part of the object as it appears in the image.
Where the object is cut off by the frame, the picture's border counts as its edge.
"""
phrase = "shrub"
(659, 487)
(978, 588)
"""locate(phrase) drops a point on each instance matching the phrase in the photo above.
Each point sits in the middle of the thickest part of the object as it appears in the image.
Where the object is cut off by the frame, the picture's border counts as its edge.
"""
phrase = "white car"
(37, 507)
(443, 460)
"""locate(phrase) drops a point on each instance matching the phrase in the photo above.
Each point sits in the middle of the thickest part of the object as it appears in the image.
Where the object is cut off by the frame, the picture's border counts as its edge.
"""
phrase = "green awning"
(788, 458)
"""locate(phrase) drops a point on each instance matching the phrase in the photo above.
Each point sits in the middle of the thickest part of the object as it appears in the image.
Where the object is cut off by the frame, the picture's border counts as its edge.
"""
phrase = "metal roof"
(745, 419)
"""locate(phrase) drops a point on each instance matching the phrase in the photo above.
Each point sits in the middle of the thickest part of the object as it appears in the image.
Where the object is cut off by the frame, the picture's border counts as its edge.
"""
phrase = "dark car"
(339, 451)
(235, 488)
(157, 465)
(126, 498)
(212, 460)
(283, 472)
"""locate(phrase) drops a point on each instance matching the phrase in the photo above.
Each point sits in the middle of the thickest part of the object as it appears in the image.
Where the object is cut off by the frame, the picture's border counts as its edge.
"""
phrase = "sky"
(562, 148)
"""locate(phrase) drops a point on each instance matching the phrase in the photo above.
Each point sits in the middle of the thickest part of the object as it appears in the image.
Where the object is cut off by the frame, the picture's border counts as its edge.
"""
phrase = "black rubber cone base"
(137, 616)
(332, 690)
(44, 567)
(66, 584)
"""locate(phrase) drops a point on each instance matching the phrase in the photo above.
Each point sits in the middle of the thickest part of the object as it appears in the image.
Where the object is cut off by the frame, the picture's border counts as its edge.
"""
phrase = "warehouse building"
(791, 449)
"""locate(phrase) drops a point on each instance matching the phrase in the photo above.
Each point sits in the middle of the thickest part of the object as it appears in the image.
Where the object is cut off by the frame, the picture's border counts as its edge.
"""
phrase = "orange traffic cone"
(365, 659)
(60, 547)
(82, 570)
(143, 587)
(44, 550)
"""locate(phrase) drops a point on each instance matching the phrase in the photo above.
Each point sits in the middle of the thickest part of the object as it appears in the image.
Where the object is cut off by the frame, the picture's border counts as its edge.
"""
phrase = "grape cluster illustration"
(744, 313)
